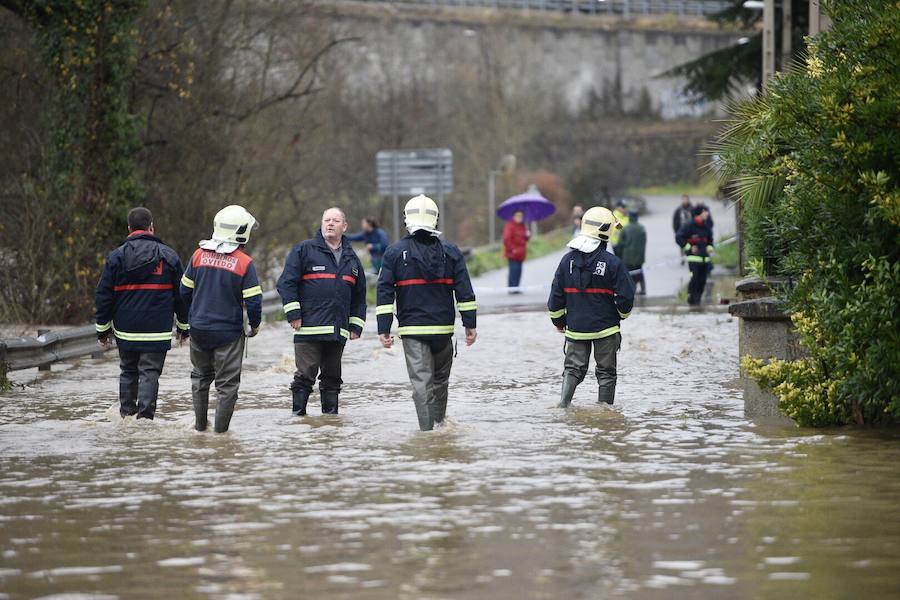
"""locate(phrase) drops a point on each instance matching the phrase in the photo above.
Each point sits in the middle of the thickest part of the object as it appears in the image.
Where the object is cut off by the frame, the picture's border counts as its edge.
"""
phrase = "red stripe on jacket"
(588, 291)
(142, 286)
(319, 276)
(404, 282)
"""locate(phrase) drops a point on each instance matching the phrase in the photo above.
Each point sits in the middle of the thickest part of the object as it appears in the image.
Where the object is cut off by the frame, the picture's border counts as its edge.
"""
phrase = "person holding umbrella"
(517, 211)
(515, 247)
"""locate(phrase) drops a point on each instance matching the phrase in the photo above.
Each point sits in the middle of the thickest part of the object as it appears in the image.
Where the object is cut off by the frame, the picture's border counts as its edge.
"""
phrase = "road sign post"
(410, 172)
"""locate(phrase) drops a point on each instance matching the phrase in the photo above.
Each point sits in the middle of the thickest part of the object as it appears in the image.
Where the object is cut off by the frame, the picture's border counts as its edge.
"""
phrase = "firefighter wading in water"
(591, 292)
(424, 273)
(323, 290)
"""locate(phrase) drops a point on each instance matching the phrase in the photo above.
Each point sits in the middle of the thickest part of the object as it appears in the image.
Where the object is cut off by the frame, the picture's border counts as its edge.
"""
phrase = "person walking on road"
(632, 248)
(515, 248)
(591, 293)
(424, 274)
(136, 298)
(695, 238)
(376, 240)
(683, 214)
(219, 284)
(323, 290)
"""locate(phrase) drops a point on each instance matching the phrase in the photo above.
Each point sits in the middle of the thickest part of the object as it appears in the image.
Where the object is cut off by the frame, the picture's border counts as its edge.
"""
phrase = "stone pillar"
(765, 332)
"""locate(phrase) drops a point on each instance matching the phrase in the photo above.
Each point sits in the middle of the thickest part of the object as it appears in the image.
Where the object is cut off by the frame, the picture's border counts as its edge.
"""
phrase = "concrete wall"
(563, 65)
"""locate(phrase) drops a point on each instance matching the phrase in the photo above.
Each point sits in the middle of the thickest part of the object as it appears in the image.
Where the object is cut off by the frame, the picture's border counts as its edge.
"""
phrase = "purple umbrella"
(534, 206)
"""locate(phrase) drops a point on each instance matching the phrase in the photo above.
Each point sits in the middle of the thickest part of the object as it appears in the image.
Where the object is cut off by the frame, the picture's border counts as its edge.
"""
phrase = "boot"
(569, 383)
(329, 402)
(224, 410)
(201, 407)
(301, 397)
(606, 394)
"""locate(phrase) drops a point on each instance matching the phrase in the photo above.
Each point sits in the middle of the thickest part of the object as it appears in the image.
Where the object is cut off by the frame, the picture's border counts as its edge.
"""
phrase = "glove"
(253, 331)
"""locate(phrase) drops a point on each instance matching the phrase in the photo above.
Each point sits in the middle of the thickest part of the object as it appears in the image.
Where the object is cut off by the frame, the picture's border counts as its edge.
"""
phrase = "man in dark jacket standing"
(136, 298)
(323, 290)
(696, 239)
(219, 284)
(631, 249)
(590, 295)
(426, 276)
(376, 240)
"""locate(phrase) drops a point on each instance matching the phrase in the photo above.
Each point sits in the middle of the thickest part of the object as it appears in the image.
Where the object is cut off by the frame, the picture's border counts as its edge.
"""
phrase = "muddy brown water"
(670, 494)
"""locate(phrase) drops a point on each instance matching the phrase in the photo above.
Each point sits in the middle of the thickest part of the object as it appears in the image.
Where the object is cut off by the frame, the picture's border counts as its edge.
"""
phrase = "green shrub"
(817, 161)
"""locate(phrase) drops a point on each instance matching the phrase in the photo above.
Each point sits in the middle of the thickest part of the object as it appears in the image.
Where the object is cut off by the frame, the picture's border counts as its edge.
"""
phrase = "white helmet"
(598, 222)
(231, 228)
(421, 213)
(596, 225)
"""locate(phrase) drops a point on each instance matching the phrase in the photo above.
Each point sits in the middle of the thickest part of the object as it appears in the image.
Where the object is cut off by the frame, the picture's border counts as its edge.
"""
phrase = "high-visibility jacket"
(696, 233)
(218, 288)
(138, 293)
(329, 298)
(591, 294)
(426, 276)
(622, 217)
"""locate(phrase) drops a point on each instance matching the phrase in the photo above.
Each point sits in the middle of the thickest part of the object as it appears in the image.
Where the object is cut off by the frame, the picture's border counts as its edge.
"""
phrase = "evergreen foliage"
(818, 160)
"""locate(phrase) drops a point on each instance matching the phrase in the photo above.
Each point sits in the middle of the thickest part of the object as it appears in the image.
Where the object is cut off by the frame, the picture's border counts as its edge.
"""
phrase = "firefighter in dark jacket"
(426, 276)
(323, 290)
(219, 284)
(136, 298)
(696, 239)
(591, 293)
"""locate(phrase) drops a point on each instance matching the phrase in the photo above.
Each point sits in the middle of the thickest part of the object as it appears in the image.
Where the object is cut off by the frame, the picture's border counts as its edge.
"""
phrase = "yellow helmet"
(421, 213)
(598, 223)
(233, 225)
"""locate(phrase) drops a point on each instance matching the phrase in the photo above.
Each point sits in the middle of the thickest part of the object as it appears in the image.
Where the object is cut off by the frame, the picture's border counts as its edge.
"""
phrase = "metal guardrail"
(51, 347)
(625, 8)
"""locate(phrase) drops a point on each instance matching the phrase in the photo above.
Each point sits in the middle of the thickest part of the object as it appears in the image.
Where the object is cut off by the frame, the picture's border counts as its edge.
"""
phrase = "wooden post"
(768, 54)
(787, 20)
(818, 21)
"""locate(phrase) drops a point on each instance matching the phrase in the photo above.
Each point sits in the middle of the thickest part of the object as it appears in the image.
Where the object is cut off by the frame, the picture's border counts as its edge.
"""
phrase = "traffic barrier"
(52, 347)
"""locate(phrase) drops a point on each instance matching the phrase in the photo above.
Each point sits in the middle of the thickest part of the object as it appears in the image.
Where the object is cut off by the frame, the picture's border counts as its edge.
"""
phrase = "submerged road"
(664, 272)
(671, 493)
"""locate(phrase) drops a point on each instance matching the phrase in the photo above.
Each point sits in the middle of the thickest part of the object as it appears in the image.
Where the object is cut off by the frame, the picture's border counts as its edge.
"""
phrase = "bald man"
(323, 290)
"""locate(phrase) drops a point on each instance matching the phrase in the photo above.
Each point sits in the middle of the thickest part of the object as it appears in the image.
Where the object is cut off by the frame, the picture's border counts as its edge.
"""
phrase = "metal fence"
(624, 8)
(51, 347)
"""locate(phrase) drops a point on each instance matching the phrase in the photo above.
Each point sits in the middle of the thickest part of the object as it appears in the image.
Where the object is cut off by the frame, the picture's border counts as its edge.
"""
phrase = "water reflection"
(670, 493)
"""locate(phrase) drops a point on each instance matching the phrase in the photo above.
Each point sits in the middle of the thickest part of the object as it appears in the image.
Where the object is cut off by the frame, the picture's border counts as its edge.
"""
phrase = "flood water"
(670, 494)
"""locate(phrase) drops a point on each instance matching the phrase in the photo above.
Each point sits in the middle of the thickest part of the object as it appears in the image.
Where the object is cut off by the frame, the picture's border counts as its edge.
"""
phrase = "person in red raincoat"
(515, 244)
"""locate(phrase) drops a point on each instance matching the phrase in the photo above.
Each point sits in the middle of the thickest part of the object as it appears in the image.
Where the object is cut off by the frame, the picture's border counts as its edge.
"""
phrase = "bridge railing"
(624, 8)
(59, 346)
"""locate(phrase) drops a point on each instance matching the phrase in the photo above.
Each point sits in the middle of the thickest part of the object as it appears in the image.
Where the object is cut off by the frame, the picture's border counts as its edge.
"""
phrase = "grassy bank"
(705, 187)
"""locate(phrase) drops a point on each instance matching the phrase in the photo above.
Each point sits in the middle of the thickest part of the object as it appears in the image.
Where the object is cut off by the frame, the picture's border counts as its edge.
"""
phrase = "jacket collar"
(142, 234)
(320, 241)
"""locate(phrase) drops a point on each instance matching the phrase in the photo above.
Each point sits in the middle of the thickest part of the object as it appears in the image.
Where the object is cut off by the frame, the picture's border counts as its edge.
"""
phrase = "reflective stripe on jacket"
(591, 293)
(328, 298)
(699, 234)
(426, 276)
(137, 294)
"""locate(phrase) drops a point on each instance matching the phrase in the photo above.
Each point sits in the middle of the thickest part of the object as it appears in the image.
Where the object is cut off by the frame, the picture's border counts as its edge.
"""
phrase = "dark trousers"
(578, 356)
(428, 362)
(637, 276)
(699, 271)
(139, 382)
(318, 358)
(222, 365)
(515, 273)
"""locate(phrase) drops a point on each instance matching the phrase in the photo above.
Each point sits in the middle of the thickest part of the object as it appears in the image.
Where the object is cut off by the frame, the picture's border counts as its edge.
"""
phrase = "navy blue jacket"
(138, 294)
(424, 273)
(694, 233)
(590, 294)
(377, 237)
(218, 288)
(328, 298)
